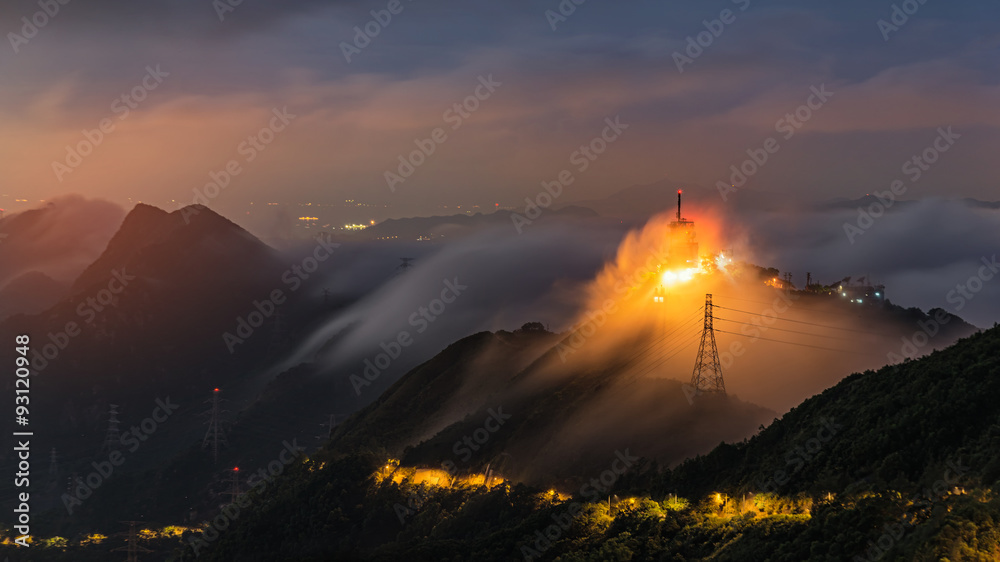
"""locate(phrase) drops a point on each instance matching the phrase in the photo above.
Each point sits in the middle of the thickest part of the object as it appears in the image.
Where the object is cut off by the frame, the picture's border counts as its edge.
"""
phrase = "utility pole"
(707, 375)
(214, 436)
(113, 436)
(132, 547)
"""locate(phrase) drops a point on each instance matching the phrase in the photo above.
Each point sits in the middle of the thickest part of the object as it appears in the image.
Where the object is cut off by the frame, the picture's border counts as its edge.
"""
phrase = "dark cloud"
(166, 16)
(605, 59)
(922, 252)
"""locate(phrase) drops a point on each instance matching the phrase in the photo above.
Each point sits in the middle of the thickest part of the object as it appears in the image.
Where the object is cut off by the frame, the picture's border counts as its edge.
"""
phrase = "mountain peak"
(146, 226)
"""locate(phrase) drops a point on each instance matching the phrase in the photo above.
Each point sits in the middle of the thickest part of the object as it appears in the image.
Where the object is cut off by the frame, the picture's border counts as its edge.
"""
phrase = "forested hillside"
(898, 464)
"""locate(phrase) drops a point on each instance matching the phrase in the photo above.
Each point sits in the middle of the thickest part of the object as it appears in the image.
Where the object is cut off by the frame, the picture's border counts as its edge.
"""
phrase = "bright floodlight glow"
(722, 261)
(674, 277)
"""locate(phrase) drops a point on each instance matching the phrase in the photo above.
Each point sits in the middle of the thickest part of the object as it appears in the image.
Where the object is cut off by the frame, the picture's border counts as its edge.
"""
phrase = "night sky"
(222, 76)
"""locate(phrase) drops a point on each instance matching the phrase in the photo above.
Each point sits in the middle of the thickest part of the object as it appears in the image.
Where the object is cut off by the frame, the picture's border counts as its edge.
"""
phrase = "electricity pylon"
(215, 435)
(133, 547)
(707, 375)
(113, 436)
(235, 491)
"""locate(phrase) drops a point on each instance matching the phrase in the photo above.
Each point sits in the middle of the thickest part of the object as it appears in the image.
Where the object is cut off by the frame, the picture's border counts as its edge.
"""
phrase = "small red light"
(216, 389)
(236, 469)
(679, 191)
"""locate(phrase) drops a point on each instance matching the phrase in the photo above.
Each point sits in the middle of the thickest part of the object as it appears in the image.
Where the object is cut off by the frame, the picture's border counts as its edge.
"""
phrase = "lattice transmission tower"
(112, 436)
(707, 375)
(215, 436)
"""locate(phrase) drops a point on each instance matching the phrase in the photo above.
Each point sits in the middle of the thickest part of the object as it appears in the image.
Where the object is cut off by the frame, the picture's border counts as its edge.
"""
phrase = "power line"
(669, 353)
(664, 355)
(798, 344)
(797, 307)
(789, 331)
(651, 348)
(801, 322)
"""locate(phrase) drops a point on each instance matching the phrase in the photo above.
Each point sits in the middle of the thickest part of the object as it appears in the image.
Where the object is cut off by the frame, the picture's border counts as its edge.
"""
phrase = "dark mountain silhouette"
(145, 322)
(861, 202)
(30, 293)
(59, 239)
